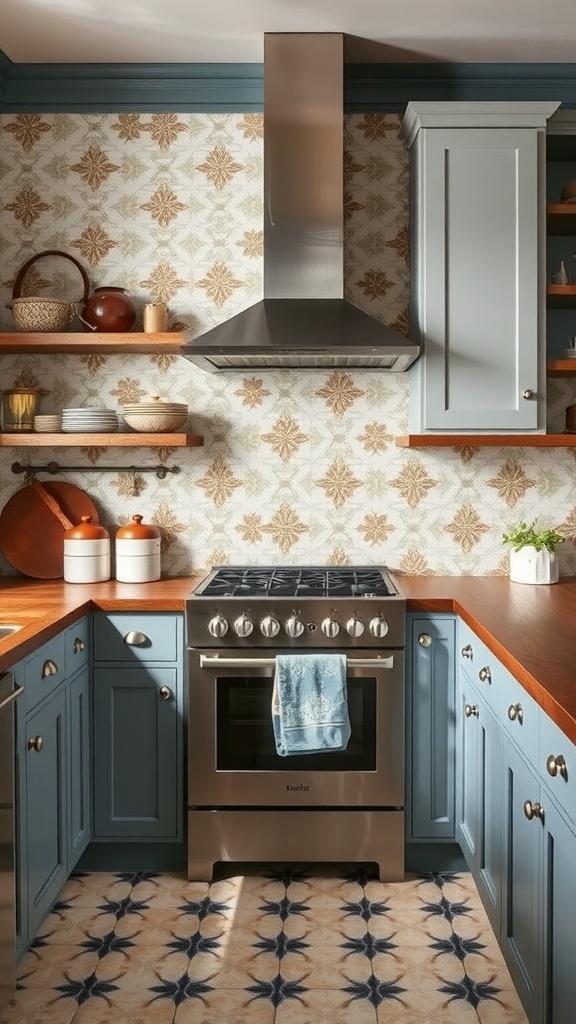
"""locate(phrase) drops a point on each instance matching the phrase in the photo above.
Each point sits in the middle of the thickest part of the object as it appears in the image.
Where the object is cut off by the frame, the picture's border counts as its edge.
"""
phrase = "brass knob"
(515, 713)
(35, 743)
(165, 693)
(484, 675)
(528, 393)
(533, 810)
(556, 764)
(425, 640)
(135, 638)
(49, 668)
(471, 709)
(467, 651)
(78, 645)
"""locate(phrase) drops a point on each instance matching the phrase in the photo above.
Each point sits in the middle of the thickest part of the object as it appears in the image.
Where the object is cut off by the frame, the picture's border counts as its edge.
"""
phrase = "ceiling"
(87, 31)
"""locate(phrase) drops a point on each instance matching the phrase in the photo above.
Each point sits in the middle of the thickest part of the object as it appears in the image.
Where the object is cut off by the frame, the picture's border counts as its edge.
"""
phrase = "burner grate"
(297, 581)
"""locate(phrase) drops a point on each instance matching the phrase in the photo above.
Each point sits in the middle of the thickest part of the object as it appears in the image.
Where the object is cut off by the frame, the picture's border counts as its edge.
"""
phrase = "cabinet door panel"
(79, 782)
(430, 740)
(45, 807)
(523, 845)
(135, 753)
(560, 856)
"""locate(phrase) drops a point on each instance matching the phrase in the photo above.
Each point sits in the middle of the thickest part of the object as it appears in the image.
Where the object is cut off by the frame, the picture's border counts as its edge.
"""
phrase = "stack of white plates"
(89, 420)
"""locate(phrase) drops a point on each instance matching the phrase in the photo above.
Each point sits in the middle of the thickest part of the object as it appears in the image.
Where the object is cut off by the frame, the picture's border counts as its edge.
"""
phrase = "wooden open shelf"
(136, 440)
(96, 342)
(561, 367)
(561, 218)
(486, 441)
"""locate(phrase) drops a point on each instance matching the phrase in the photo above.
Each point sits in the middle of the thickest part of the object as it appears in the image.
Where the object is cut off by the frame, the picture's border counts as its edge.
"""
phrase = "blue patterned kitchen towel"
(309, 704)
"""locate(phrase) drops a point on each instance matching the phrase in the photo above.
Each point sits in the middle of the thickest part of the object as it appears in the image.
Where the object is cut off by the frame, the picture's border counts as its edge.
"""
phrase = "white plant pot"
(531, 566)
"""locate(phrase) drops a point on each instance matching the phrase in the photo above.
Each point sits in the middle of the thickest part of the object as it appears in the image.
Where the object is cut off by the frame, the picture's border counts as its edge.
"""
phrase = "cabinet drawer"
(45, 670)
(520, 715)
(77, 646)
(557, 764)
(136, 637)
(481, 667)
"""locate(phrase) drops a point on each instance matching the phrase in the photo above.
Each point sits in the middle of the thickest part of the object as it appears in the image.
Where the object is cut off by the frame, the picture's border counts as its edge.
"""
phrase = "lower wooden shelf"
(136, 440)
(486, 441)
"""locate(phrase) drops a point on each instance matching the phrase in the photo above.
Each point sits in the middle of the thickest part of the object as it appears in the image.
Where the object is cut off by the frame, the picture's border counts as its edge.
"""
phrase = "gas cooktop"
(297, 582)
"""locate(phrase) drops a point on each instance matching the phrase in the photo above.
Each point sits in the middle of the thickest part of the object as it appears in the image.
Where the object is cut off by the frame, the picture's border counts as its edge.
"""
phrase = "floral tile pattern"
(296, 468)
(273, 945)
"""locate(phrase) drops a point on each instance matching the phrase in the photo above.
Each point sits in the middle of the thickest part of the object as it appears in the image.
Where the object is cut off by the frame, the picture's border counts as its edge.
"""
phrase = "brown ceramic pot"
(109, 309)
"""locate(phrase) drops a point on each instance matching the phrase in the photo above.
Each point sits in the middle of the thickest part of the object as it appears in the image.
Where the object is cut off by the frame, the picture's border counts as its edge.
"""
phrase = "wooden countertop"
(530, 629)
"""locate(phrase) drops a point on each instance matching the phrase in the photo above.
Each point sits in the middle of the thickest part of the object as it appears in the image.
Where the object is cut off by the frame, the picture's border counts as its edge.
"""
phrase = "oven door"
(232, 759)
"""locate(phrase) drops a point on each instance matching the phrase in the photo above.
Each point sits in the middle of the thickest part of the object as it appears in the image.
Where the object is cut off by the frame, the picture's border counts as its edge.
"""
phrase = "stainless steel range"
(247, 803)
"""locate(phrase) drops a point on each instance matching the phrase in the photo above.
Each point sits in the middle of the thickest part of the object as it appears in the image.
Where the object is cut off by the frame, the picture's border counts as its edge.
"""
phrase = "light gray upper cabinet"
(478, 276)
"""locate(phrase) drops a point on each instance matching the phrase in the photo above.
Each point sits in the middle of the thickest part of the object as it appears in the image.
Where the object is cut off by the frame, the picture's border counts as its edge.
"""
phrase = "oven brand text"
(299, 788)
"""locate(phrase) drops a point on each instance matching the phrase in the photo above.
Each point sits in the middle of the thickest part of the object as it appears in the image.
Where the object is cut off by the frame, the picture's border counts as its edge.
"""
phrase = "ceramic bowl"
(155, 422)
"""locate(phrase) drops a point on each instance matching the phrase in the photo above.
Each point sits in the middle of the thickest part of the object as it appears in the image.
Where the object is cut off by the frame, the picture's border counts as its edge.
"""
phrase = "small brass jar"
(19, 407)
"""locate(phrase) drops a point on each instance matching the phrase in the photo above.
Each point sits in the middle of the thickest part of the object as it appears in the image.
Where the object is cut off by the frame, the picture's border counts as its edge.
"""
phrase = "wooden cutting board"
(33, 523)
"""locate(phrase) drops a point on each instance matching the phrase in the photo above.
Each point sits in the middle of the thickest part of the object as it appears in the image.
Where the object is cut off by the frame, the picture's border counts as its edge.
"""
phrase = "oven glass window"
(245, 737)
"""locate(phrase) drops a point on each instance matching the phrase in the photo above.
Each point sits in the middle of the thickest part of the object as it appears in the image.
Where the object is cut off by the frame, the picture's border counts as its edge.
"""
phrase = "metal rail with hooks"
(54, 467)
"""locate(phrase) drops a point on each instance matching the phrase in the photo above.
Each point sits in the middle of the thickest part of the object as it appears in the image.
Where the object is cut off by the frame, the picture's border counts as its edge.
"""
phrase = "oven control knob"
(243, 626)
(330, 628)
(218, 626)
(294, 626)
(269, 626)
(355, 627)
(378, 627)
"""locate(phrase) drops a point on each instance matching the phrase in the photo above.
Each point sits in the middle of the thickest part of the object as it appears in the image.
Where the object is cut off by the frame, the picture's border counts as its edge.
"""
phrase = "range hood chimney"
(303, 322)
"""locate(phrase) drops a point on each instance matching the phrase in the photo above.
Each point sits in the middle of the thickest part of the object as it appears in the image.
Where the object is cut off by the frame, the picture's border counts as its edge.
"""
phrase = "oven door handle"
(217, 662)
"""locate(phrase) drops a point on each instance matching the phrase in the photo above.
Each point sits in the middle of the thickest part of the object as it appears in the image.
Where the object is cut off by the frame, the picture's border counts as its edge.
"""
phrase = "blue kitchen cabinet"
(53, 772)
(479, 767)
(430, 752)
(559, 928)
(477, 305)
(138, 727)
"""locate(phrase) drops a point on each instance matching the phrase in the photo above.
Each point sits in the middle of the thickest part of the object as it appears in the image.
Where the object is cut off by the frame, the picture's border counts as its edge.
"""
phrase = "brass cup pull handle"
(425, 640)
(533, 810)
(49, 668)
(471, 710)
(135, 638)
(467, 651)
(78, 645)
(35, 743)
(484, 675)
(556, 765)
(515, 713)
(165, 693)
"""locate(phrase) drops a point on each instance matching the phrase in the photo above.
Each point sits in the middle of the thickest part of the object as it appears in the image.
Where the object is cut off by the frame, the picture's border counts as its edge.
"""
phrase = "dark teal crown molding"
(238, 87)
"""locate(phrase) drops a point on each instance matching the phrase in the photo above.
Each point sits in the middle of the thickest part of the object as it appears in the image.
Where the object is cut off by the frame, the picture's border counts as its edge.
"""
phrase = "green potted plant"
(533, 553)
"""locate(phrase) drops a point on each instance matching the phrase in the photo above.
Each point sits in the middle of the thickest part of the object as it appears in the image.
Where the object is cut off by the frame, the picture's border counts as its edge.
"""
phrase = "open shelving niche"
(168, 342)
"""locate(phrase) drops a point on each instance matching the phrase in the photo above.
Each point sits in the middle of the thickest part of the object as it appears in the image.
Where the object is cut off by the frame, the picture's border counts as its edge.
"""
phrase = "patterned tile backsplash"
(296, 468)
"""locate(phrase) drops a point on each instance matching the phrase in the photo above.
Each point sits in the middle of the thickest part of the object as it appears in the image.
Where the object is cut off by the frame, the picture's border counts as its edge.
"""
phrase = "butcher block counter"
(531, 629)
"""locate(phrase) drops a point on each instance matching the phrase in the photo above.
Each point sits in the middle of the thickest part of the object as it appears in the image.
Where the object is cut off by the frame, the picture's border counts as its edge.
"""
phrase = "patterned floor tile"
(288, 946)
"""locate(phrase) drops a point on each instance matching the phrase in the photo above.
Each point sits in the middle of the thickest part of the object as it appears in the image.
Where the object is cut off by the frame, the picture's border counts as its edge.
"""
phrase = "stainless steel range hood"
(303, 322)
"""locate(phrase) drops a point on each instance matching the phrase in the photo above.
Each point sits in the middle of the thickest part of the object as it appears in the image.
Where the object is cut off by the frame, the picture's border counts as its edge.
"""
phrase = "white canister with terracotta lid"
(86, 553)
(137, 549)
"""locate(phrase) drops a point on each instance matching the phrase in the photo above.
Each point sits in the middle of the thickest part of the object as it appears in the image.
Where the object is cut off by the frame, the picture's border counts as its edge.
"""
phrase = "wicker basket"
(35, 313)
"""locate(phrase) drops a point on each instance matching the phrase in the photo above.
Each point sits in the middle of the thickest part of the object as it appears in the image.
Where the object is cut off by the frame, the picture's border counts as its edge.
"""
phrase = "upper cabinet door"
(477, 220)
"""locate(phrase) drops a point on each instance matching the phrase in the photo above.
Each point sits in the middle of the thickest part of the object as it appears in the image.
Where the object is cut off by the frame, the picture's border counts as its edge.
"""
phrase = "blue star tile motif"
(136, 877)
(182, 989)
(122, 908)
(204, 908)
(457, 946)
(194, 944)
(368, 945)
(87, 988)
(109, 943)
(439, 878)
(365, 909)
(374, 990)
(444, 908)
(278, 990)
(280, 945)
(284, 908)
(61, 906)
(470, 991)
(286, 876)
